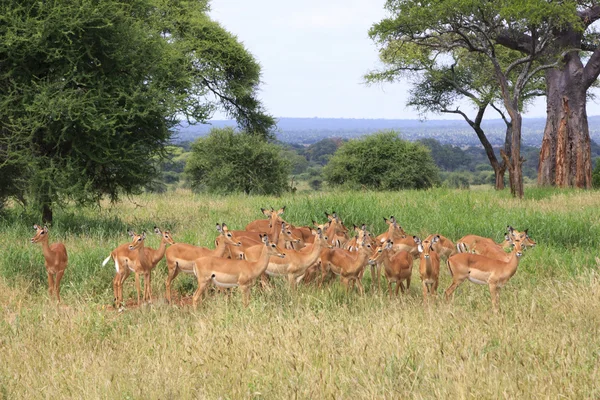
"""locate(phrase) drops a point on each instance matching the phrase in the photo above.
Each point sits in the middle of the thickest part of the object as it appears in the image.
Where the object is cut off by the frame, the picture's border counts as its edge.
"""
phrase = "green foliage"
(321, 151)
(596, 175)
(382, 161)
(446, 156)
(227, 161)
(91, 91)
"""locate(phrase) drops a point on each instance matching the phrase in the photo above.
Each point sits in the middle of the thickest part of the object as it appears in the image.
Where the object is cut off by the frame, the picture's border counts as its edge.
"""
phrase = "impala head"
(321, 238)
(274, 216)
(335, 220)
(41, 234)
(287, 234)
(527, 241)
(518, 244)
(394, 227)
(426, 246)
(227, 236)
(137, 241)
(165, 235)
(378, 252)
(272, 248)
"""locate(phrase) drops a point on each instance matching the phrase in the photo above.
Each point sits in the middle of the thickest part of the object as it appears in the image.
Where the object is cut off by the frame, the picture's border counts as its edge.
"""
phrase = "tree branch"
(592, 69)
(589, 15)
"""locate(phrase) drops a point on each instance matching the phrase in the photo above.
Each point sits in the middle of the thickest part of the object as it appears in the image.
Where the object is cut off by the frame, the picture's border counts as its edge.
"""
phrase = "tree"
(423, 31)
(565, 156)
(443, 87)
(382, 161)
(227, 162)
(91, 90)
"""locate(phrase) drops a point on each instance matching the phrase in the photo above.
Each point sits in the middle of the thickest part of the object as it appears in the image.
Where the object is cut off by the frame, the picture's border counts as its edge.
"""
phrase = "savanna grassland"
(316, 343)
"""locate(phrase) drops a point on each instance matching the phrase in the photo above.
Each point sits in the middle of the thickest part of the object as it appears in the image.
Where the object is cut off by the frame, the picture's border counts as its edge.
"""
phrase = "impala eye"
(229, 235)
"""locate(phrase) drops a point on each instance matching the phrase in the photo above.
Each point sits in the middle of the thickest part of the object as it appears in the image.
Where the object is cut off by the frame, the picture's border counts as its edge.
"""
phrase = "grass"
(316, 343)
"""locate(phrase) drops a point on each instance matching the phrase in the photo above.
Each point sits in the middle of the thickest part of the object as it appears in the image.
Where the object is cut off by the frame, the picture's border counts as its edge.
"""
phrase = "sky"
(314, 54)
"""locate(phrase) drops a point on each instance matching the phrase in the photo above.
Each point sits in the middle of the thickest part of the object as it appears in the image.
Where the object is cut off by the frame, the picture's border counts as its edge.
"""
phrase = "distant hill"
(456, 132)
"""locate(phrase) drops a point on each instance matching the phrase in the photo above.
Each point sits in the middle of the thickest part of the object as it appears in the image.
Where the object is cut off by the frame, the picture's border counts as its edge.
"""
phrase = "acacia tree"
(436, 28)
(92, 90)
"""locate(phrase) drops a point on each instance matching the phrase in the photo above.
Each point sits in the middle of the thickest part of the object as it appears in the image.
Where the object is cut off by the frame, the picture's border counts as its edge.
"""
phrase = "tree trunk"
(565, 156)
(47, 213)
(499, 174)
(514, 161)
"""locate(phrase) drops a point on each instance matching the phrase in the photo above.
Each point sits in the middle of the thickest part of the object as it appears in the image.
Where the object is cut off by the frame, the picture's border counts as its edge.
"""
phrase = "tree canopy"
(92, 90)
(382, 161)
(227, 162)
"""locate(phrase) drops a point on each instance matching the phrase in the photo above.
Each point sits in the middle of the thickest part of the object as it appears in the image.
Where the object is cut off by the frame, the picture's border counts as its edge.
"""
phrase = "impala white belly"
(224, 284)
(479, 277)
(275, 269)
(224, 280)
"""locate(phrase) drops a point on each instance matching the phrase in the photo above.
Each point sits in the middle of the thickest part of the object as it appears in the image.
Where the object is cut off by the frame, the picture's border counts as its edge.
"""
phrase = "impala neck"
(159, 253)
(361, 258)
(260, 266)
(48, 253)
(313, 251)
(221, 248)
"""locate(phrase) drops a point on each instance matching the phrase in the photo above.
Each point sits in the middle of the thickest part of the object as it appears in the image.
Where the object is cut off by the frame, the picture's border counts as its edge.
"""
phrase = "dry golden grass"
(316, 343)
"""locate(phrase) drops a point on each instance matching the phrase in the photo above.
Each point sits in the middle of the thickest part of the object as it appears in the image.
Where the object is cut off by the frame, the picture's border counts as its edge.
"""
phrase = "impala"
(181, 256)
(469, 242)
(397, 267)
(295, 263)
(227, 273)
(285, 239)
(261, 225)
(55, 259)
(348, 265)
(394, 232)
(484, 270)
(128, 260)
(429, 266)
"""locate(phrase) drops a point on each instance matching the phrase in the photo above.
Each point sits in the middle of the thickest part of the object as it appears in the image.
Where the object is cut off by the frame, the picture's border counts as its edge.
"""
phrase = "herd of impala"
(273, 248)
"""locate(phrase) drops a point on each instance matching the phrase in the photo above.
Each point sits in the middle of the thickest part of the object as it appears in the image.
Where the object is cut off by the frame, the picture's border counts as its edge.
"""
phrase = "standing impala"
(55, 259)
(181, 256)
(397, 267)
(128, 259)
(429, 266)
(484, 270)
(225, 272)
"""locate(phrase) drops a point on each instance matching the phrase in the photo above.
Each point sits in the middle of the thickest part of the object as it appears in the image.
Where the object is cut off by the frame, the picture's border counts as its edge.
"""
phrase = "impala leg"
(245, 294)
(360, 286)
(390, 291)
(408, 283)
(292, 282)
(148, 287)
(122, 279)
(450, 291)
(137, 287)
(425, 291)
(116, 289)
(202, 285)
(495, 293)
(399, 285)
(50, 284)
(373, 271)
(59, 276)
(378, 276)
(172, 274)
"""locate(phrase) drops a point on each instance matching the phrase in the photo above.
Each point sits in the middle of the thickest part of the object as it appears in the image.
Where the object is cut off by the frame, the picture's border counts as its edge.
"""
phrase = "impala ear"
(435, 239)
(417, 240)
(264, 211)
(219, 228)
(525, 232)
(281, 210)
(157, 231)
(130, 233)
(265, 239)
(507, 238)
(392, 219)
(327, 215)
(45, 228)
(420, 248)
(144, 235)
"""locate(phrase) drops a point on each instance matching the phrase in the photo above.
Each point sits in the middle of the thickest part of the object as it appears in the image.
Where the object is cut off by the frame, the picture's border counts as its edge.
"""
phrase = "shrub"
(596, 175)
(227, 161)
(382, 161)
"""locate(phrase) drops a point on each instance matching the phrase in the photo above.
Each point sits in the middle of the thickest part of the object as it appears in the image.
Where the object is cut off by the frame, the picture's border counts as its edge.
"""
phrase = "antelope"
(348, 265)
(484, 270)
(397, 267)
(55, 260)
(429, 266)
(128, 259)
(230, 273)
(284, 239)
(261, 225)
(181, 256)
(334, 229)
(295, 263)
(469, 242)
(393, 233)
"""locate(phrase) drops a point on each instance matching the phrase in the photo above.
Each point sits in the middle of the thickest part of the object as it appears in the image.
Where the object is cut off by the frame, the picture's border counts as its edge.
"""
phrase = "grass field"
(316, 343)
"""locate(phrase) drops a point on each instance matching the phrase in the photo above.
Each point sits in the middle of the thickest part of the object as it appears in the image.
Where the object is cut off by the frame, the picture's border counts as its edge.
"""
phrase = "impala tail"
(106, 260)
(462, 247)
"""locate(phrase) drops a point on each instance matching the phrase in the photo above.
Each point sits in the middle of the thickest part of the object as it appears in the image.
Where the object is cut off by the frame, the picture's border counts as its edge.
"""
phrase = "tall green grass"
(318, 342)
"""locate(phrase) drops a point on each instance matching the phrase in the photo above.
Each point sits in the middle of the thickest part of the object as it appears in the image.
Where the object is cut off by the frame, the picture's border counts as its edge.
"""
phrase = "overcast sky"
(314, 54)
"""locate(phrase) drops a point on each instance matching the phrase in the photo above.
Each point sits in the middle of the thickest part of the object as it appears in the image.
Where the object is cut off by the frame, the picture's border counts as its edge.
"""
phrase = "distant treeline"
(308, 131)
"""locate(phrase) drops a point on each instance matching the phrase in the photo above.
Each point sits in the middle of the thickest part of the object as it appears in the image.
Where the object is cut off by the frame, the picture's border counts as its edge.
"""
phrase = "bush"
(227, 161)
(596, 175)
(382, 161)
(457, 180)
